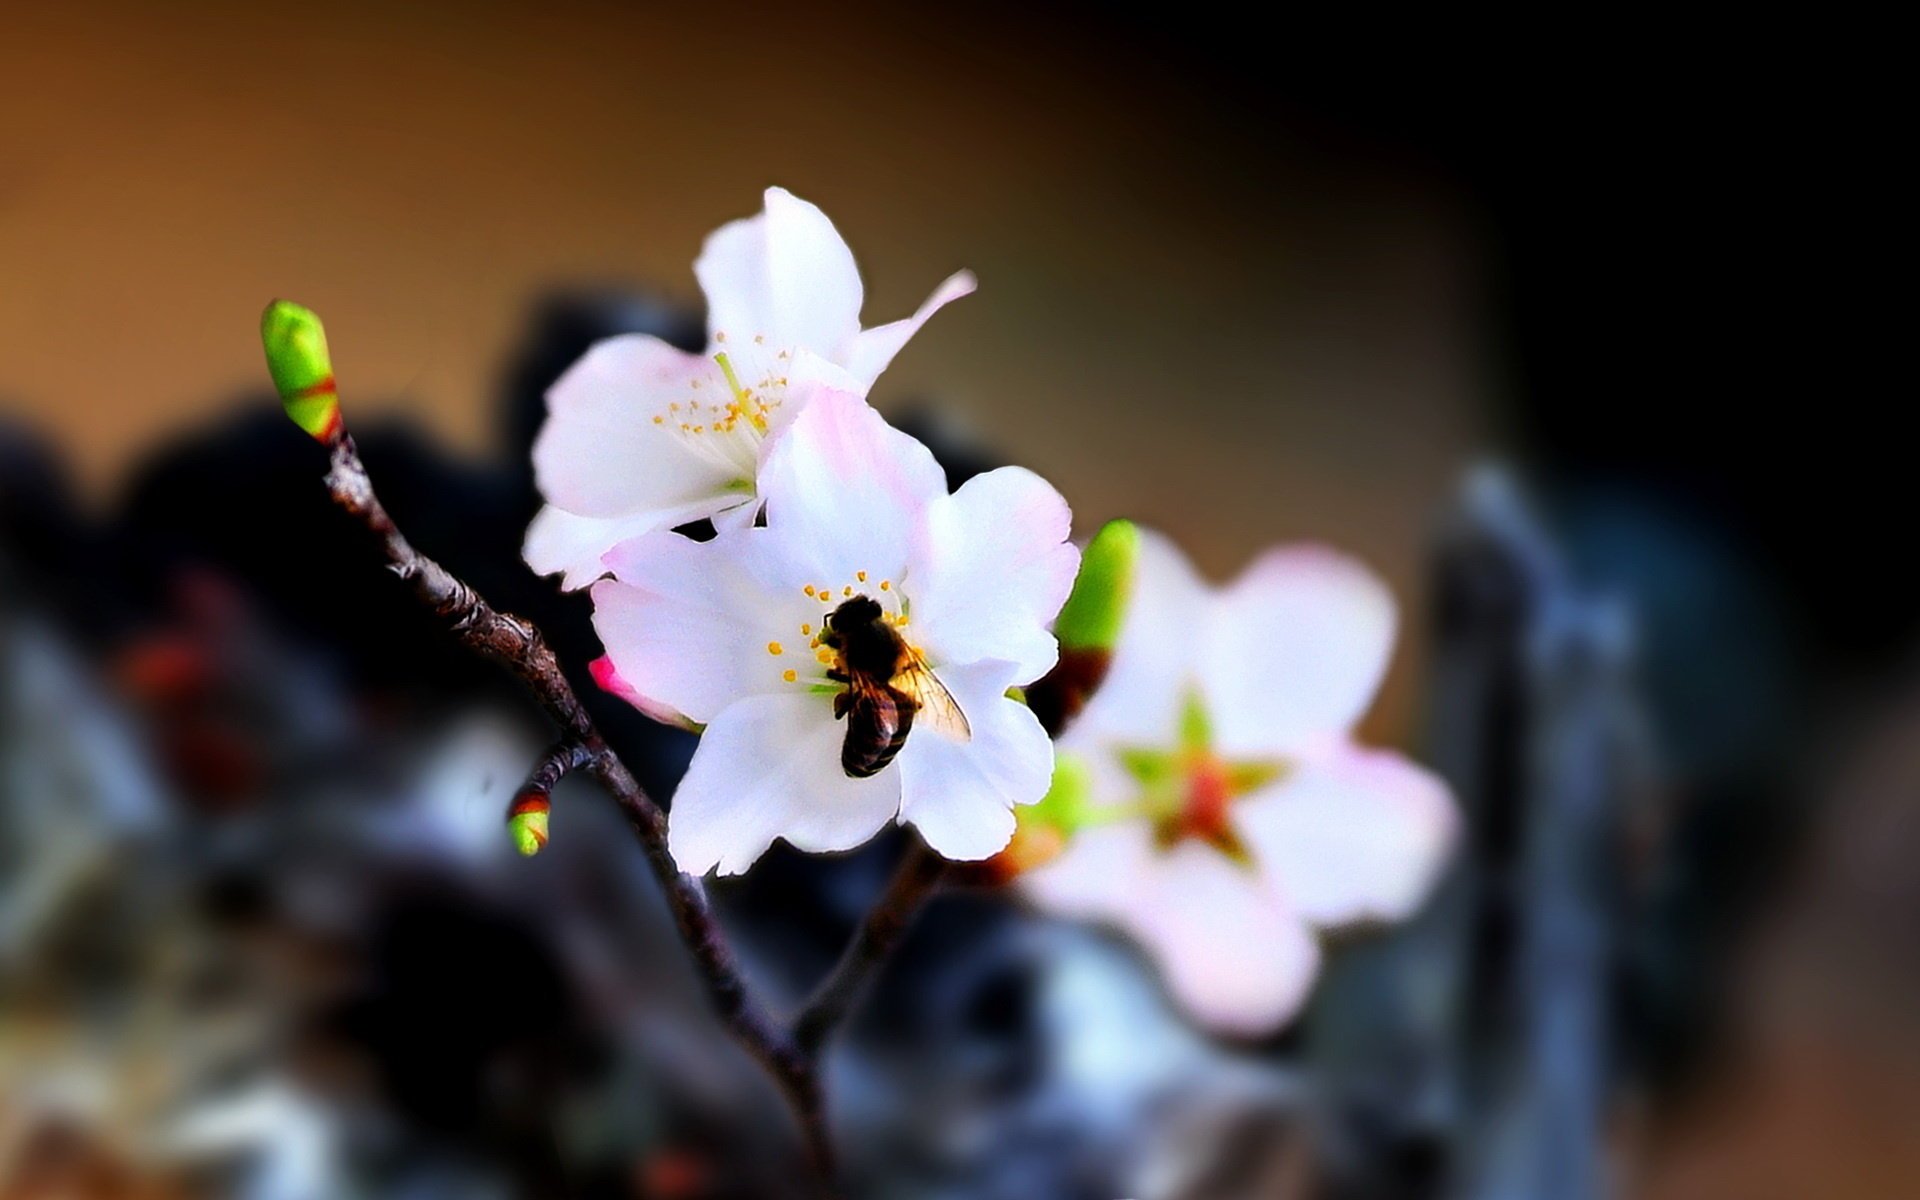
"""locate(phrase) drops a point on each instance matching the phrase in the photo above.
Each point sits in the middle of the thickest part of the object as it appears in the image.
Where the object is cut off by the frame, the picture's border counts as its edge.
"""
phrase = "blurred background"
(1539, 321)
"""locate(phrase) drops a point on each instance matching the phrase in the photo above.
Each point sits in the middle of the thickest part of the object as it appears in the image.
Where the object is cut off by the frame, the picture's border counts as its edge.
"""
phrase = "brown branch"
(913, 883)
(517, 645)
(788, 1054)
(561, 760)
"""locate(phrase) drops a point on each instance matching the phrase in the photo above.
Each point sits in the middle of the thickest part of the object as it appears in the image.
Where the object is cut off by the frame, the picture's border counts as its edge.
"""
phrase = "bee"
(889, 687)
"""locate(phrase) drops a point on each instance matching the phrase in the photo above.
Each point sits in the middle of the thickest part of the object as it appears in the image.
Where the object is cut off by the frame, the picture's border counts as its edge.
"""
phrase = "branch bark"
(515, 644)
(788, 1053)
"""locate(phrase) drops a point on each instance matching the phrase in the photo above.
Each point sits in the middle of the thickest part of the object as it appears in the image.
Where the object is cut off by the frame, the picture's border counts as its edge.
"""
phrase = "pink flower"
(730, 632)
(1239, 814)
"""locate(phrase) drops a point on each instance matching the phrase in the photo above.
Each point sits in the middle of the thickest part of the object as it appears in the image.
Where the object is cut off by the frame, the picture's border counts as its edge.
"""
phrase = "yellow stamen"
(775, 648)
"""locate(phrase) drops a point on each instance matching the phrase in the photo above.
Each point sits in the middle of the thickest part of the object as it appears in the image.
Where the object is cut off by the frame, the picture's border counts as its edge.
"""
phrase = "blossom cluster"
(852, 641)
(817, 504)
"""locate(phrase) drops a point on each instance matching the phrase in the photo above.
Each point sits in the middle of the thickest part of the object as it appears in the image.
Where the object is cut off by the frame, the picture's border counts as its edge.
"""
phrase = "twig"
(561, 760)
(517, 645)
(917, 878)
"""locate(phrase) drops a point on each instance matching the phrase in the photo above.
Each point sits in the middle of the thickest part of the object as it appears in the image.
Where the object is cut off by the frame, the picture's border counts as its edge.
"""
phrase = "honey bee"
(889, 687)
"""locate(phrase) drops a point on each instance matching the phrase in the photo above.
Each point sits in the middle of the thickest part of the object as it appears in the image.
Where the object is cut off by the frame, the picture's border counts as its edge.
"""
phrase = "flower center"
(725, 415)
(1188, 792)
(802, 652)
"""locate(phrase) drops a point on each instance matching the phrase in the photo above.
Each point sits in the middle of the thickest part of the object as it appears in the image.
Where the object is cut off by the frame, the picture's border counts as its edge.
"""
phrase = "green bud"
(1097, 606)
(302, 370)
(1069, 798)
(527, 822)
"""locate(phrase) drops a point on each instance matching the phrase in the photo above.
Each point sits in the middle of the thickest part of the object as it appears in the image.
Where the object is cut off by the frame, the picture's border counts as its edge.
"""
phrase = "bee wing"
(937, 707)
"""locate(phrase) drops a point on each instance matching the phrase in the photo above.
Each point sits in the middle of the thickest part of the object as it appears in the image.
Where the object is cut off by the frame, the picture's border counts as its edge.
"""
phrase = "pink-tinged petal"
(960, 794)
(1235, 956)
(874, 348)
(785, 275)
(807, 375)
(607, 677)
(1155, 662)
(601, 454)
(564, 543)
(1095, 877)
(991, 568)
(1295, 651)
(768, 767)
(1354, 836)
(689, 624)
(849, 488)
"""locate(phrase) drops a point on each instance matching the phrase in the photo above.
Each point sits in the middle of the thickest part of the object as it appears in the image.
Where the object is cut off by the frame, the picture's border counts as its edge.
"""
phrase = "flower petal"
(1095, 876)
(960, 795)
(1234, 954)
(848, 487)
(872, 349)
(990, 570)
(785, 275)
(767, 767)
(1155, 662)
(560, 542)
(601, 454)
(608, 677)
(1359, 835)
(1295, 651)
(689, 624)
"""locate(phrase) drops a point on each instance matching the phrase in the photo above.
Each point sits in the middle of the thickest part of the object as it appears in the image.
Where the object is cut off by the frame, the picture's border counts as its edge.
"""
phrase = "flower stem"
(517, 644)
(914, 882)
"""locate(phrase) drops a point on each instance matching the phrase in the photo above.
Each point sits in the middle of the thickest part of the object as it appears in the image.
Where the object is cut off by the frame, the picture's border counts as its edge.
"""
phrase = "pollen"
(674, 407)
(825, 658)
(789, 675)
(805, 629)
(759, 339)
(860, 575)
(846, 592)
(886, 585)
(808, 589)
(775, 648)
(659, 420)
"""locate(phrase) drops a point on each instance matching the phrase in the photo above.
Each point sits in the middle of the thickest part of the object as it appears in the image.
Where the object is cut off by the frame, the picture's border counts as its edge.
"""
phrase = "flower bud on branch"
(1089, 626)
(302, 370)
(528, 815)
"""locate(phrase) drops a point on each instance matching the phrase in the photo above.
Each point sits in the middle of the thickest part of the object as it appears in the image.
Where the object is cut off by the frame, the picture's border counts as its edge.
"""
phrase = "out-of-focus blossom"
(641, 436)
(1237, 815)
(733, 634)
